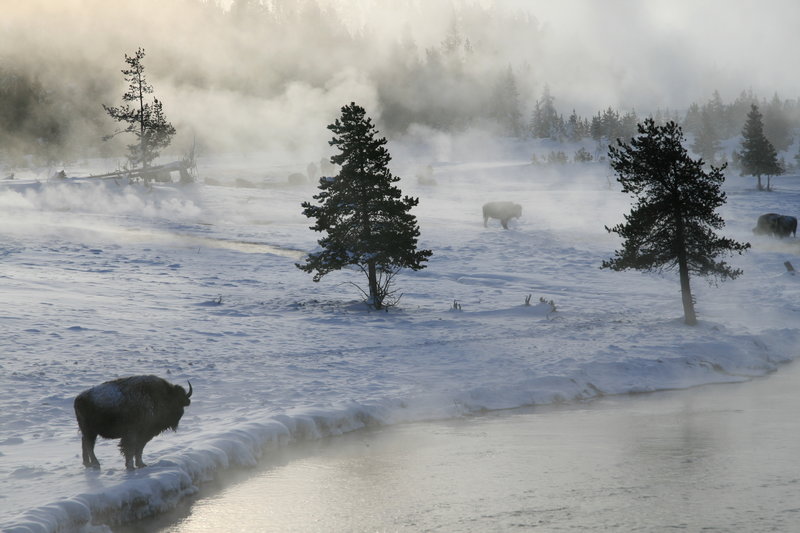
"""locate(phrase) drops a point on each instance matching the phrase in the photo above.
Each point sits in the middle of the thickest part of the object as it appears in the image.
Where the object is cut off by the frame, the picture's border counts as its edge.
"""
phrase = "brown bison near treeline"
(504, 211)
(776, 225)
(133, 409)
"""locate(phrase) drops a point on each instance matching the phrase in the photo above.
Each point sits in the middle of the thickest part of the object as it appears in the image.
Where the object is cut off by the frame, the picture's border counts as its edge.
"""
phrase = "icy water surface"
(716, 458)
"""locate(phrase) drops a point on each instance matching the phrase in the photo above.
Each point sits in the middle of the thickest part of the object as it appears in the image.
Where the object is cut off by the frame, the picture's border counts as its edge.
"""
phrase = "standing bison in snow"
(504, 211)
(133, 409)
(776, 225)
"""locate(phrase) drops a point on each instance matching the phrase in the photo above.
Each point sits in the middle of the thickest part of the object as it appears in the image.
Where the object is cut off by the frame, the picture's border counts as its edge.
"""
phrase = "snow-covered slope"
(100, 280)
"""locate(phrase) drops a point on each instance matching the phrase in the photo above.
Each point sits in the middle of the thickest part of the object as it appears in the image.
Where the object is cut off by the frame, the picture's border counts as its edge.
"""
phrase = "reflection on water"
(721, 458)
(239, 246)
(185, 240)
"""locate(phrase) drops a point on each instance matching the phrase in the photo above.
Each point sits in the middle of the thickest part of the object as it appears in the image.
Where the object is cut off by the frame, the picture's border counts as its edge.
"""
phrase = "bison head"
(180, 399)
(186, 395)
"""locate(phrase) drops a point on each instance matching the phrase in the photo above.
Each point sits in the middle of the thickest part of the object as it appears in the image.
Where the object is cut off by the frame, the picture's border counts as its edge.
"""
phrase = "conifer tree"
(364, 215)
(545, 122)
(575, 127)
(777, 126)
(673, 220)
(144, 119)
(718, 113)
(706, 143)
(758, 156)
(505, 106)
(693, 121)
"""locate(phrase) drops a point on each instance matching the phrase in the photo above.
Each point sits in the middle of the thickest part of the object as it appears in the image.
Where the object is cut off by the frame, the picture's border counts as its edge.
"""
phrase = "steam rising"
(269, 75)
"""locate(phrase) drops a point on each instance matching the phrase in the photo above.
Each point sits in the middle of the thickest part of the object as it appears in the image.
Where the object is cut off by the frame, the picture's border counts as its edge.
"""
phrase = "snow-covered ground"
(101, 280)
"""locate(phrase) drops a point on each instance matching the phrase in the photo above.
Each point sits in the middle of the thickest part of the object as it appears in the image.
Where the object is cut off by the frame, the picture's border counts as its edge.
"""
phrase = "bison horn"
(189, 394)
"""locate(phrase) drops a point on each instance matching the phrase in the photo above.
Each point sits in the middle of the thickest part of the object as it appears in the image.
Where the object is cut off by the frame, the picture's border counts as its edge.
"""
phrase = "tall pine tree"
(505, 106)
(144, 119)
(777, 126)
(366, 219)
(545, 121)
(706, 143)
(673, 220)
(758, 157)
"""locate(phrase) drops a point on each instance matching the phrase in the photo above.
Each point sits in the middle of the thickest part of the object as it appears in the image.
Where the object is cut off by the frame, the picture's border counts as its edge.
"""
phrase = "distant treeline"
(50, 110)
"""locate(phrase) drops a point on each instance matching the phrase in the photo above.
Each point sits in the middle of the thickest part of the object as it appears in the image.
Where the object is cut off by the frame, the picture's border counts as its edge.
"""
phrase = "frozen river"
(716, 458)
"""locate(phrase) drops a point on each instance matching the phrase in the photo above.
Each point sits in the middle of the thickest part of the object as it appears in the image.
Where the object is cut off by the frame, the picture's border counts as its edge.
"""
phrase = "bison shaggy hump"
(504, 211)
(133, 409)
(776, 225)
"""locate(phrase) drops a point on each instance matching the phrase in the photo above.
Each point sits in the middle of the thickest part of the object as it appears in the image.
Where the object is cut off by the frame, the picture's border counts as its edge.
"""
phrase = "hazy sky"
(669, 52)
(629, 54)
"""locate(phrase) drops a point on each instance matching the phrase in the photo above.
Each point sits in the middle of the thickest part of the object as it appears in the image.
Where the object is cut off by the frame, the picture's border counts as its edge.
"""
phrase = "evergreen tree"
(575, 127)
(452, 48)
(737, 113)
(706, 143)
(596, 127)
(366, 221)
(627, 125)
(693, 121)
(505, 105)
(673, 220)
(545, 121)
(718, 113)
(777, 128)
(31, 121)
(144, 119)
(758, 157)
(797, 158)
(609, 126)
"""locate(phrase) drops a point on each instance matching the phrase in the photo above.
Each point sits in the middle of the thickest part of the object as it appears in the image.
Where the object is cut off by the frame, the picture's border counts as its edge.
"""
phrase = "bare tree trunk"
(142, 123)
(689, 316)
(372, 274)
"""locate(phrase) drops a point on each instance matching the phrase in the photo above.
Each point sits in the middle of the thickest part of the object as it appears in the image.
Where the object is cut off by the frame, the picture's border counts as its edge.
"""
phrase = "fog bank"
(270, 75)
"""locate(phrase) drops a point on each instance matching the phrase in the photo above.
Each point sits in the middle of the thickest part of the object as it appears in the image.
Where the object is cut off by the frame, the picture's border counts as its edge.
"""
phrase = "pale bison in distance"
(776, 225)
(504, 211)
(133, 409)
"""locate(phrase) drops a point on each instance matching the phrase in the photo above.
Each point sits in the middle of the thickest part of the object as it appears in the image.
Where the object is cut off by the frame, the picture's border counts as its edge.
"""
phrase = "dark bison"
(504, 211)
(776, 225)
(133, 409)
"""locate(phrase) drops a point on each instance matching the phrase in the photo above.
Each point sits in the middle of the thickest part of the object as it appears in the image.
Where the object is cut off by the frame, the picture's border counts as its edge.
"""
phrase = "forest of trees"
(463, 77)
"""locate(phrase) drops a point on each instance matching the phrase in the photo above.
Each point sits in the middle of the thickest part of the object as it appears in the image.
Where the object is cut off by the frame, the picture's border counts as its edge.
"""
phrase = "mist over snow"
(197, 282)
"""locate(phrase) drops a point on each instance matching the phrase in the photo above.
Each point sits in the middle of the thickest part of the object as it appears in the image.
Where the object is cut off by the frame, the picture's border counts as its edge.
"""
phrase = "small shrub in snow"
(557, 158)
(582, 156)
(551, 303)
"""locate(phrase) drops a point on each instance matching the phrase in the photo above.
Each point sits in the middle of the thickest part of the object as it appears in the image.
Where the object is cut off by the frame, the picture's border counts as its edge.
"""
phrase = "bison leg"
(132, 448)
(128, 448)
(141, 443)
(87, 447)
(504, 222)
(485, 220)
(139, 462)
